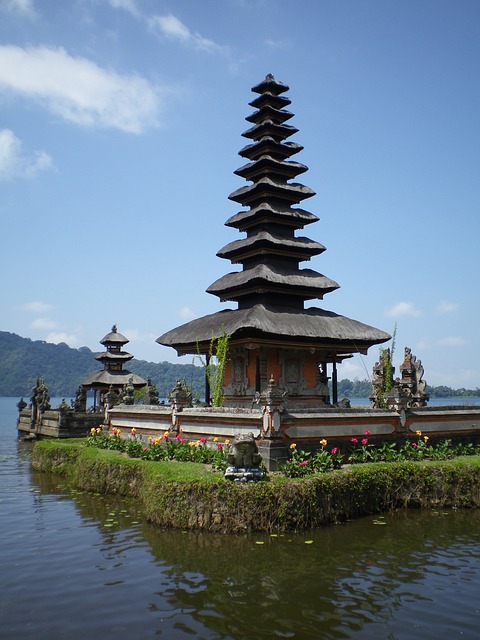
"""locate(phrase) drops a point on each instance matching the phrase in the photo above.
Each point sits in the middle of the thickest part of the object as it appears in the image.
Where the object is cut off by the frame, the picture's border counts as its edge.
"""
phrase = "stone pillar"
(179, 397)
(272, 401)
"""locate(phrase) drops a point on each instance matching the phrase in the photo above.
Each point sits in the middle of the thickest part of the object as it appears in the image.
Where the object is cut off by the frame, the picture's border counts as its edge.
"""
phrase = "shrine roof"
(115, 378)
(293, 192)
(122, 356)
(310, 327)
(304, 283)
(114, 337)
(270, 85)
(274, 244)
(293, 217)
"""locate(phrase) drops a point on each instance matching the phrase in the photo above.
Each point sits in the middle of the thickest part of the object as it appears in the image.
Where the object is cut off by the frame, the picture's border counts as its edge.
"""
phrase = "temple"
(282, 353)
(113, 379)
(272, 334)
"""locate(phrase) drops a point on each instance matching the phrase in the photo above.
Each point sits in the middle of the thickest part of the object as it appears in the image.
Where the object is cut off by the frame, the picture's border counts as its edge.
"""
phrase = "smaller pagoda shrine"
(110, 383)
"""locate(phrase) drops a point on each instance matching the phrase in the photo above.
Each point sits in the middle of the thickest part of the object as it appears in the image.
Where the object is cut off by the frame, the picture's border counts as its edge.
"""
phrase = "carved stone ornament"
(244, 460)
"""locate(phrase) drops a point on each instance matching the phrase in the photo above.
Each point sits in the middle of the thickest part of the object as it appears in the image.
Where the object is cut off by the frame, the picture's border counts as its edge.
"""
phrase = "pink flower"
(364, 441)
(367, 433)
(203, 440)
(178, 438)
(303, 463)
(334, 451)
(414, 444)
(219, 446)
(354, 440)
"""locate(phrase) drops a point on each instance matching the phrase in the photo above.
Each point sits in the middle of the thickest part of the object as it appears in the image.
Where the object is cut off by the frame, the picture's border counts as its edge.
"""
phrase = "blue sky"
(120, 128)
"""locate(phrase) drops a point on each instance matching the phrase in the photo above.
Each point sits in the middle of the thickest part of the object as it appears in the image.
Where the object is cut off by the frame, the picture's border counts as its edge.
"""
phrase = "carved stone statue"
(112, 397)
(244, 460)
(273, 402)
(40, 401)
(406, 392)
(128, 392)
(151, 393)
(412, 382)
(80, 403)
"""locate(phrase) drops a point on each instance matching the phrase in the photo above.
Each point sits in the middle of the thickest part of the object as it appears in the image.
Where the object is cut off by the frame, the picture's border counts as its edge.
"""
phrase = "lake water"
(78, 566)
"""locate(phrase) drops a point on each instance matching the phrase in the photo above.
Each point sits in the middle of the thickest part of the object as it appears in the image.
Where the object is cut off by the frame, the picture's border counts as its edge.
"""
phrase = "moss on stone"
(188, 495)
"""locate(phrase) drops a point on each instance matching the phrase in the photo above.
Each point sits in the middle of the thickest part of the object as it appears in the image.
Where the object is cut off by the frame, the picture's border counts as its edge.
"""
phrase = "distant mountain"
(23, 360)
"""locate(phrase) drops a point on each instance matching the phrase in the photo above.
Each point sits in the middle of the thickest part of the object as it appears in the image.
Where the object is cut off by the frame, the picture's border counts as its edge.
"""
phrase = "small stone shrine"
(271, 332)
(407, 392)
(113, 384)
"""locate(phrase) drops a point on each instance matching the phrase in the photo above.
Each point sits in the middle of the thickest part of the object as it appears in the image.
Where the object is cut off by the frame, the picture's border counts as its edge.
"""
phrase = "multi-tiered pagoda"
(272, 334)
(113, 377)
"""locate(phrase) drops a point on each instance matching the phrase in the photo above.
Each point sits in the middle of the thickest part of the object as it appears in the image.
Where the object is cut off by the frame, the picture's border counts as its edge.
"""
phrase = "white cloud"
(59, 336)
(126, 5)
(186, 313)
(403, 309)
(452, 341)
(14, 163)
(22, 7)
(422, 344)
(351, 370)
(447, 307)
(78, 90)
(279, 44)
(44, 323)
(171, 27)
(136, 335)
(36, 307)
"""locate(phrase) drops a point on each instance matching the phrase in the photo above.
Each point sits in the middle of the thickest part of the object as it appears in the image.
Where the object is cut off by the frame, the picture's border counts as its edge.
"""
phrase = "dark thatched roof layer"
(304, 283)
(297, 218)
(265, 188)
(312, 327)
(115, 378)
(304, 248)
(121, 356)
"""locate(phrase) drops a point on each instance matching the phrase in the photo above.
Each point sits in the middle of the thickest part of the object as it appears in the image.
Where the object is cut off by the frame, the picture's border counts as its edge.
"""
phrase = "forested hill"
(23, 360)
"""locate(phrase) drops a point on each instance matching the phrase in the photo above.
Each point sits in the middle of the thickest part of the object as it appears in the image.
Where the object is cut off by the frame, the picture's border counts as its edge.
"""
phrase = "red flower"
(303, 463)
(203, 440)
(354, 440)
(364, 441)
(367, 433)
(414, 444)
(334, 451)
(219, 446)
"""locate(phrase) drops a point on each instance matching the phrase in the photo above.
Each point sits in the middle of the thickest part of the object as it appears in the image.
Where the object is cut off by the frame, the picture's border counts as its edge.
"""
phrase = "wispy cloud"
(174, 29)
(44, 323)
(59, 336)
(24, 8)
(403, 309)
(186, 313)
(78, 90)
(14, 163)
(284, 45)
(36, 307)
(126, 5)
(452, 341)
(447, 307)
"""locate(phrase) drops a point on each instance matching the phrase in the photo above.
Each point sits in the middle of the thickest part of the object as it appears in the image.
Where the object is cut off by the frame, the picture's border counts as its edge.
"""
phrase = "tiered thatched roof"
(271, 288)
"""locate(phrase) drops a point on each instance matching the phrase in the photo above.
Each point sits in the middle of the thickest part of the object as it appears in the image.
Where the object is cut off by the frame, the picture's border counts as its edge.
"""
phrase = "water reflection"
(350, 581)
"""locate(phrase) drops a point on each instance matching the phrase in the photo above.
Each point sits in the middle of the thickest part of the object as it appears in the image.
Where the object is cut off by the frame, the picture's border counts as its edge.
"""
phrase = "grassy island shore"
(189, 495)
